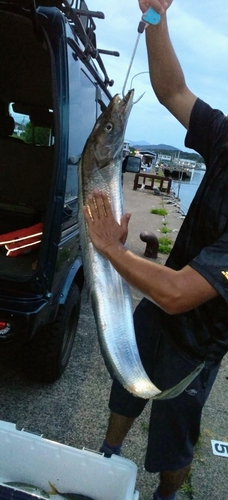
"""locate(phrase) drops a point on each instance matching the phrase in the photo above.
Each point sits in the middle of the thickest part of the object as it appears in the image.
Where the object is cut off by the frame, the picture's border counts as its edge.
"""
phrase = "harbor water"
(185, 190)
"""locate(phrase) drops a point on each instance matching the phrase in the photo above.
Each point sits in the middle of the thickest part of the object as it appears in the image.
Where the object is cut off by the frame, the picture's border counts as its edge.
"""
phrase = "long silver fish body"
(28, 488)
(101, 167)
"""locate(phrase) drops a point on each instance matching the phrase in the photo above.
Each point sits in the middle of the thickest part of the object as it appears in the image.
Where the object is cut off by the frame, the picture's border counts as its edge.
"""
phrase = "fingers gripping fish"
(101, 167)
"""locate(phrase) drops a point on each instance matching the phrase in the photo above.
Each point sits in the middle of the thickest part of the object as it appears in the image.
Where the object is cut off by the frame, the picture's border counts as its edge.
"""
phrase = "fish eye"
(109, 127)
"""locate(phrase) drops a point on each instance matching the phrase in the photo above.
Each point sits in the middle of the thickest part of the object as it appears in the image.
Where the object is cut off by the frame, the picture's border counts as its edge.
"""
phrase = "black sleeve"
(205, 129)
(212, 264)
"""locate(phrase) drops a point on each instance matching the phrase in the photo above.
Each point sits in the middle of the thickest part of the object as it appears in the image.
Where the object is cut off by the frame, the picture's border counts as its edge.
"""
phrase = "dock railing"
(148, 180)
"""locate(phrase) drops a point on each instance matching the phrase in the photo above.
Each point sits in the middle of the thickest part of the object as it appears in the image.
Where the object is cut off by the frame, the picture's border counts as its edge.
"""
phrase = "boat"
(200, 166)
(180, 169)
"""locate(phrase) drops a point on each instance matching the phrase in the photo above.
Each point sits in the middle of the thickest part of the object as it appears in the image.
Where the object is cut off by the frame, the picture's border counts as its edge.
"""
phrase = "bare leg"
(118, 428)
(171, 481)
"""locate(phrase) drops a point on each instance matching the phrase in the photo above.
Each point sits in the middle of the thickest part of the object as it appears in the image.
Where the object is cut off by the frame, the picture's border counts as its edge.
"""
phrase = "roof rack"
(81, 20)
(83, 25)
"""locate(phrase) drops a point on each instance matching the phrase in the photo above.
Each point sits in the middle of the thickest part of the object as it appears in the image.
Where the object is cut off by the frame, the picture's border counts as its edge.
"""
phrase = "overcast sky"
(199, 32)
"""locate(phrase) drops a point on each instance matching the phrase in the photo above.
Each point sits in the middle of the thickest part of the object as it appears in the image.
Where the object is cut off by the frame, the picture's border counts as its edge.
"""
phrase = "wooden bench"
(148, 181)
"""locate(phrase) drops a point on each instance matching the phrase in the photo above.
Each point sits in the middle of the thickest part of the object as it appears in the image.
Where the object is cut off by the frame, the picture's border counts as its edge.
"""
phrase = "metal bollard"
(152, 244)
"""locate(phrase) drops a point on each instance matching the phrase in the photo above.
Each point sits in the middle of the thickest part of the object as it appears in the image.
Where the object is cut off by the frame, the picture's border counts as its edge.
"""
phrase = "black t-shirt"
(202, 241)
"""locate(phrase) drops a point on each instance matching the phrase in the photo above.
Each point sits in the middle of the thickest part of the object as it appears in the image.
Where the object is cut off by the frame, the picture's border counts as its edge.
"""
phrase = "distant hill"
(139, 145)
(165, 149)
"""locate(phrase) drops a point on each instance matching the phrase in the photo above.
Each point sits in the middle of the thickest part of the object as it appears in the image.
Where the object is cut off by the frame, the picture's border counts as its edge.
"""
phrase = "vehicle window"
(82, 117)
(82, 108)
(33, 127)
(20, 122)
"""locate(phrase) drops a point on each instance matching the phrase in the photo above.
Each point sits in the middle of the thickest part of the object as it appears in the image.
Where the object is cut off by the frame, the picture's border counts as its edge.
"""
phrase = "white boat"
(180, 169)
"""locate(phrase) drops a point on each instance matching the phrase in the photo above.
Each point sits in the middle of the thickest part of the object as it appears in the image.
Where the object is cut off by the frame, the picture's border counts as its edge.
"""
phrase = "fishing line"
(149, 17)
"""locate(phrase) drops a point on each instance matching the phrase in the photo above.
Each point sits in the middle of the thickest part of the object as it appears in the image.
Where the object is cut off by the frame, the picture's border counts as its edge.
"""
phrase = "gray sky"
(199, 32)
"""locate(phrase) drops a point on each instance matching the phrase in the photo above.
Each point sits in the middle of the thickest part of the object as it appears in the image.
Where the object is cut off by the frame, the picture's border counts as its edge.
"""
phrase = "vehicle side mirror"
(131, 164)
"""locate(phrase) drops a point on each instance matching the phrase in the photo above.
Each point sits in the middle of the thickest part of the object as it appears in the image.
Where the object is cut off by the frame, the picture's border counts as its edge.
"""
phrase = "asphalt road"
(74, 410)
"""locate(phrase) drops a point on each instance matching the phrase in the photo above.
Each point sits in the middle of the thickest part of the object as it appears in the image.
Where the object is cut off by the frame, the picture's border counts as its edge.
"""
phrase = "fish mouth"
(128, 98)
(125, 104)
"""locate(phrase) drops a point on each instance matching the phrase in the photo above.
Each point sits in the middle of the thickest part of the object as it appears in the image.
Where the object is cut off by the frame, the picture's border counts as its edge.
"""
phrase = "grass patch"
(165, 241)
(165, 230)
(165, 249)
(145, 427)
(165, 245)
(187, 485)
(158, 211)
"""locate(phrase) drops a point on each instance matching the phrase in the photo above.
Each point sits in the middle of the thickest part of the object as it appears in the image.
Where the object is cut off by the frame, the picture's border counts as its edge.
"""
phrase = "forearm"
(166, 75)
(156, 282)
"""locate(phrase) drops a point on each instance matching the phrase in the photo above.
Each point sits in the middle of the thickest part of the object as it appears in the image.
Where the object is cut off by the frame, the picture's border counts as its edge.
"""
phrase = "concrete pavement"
(74, 410)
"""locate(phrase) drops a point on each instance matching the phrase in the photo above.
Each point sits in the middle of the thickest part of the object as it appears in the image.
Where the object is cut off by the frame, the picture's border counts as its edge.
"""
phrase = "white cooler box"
(28, 458)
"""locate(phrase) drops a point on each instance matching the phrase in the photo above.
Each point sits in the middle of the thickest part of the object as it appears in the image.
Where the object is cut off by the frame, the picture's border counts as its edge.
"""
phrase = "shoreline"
(140, 203)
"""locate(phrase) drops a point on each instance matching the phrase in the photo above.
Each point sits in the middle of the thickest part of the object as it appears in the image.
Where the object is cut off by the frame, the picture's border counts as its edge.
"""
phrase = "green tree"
(36, 135)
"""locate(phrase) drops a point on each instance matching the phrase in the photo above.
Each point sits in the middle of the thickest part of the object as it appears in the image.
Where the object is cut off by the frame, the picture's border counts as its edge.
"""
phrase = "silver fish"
(69, 496)
(39, 492)
(101, 167)
(29, 488)
(56, 495)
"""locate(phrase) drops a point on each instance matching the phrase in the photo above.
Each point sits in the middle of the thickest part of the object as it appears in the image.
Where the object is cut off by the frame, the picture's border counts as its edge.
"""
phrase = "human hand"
(103, 228)
(159, 6)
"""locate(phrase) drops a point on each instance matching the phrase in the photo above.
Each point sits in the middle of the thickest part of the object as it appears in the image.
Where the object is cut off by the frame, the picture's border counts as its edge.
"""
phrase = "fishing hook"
(140, 97)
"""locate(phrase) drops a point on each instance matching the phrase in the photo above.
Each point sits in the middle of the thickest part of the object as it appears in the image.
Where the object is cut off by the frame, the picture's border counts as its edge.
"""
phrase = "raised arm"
(166, 75)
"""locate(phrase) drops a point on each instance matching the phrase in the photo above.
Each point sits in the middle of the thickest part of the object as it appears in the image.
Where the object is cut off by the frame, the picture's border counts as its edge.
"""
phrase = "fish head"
(105, 142)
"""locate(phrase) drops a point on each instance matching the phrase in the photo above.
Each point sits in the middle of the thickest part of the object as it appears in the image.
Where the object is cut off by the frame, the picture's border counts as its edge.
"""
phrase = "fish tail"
(53, 491)
(179, 388)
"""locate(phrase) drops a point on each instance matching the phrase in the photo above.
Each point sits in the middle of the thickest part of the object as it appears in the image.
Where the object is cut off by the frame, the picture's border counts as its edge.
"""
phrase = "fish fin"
(175, 391)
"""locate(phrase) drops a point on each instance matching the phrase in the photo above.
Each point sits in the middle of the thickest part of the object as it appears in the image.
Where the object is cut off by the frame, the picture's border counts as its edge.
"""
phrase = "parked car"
(53, 86)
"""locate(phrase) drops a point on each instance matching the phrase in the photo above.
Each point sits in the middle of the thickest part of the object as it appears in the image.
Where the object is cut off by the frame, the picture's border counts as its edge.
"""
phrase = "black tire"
(46, 356)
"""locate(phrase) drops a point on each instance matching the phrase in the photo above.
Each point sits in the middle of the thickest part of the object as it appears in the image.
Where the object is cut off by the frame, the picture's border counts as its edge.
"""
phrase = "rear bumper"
(22, 317)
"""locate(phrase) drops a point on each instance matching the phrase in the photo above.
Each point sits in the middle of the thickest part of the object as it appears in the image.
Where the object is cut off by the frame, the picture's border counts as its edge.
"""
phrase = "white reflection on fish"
(101, 168)
(39, 493)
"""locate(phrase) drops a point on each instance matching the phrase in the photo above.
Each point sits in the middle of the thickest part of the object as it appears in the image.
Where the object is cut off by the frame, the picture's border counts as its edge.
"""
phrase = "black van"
(53, 86)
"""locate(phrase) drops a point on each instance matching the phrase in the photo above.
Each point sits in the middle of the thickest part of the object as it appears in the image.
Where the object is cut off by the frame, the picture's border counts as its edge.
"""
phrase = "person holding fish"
(183, 321)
